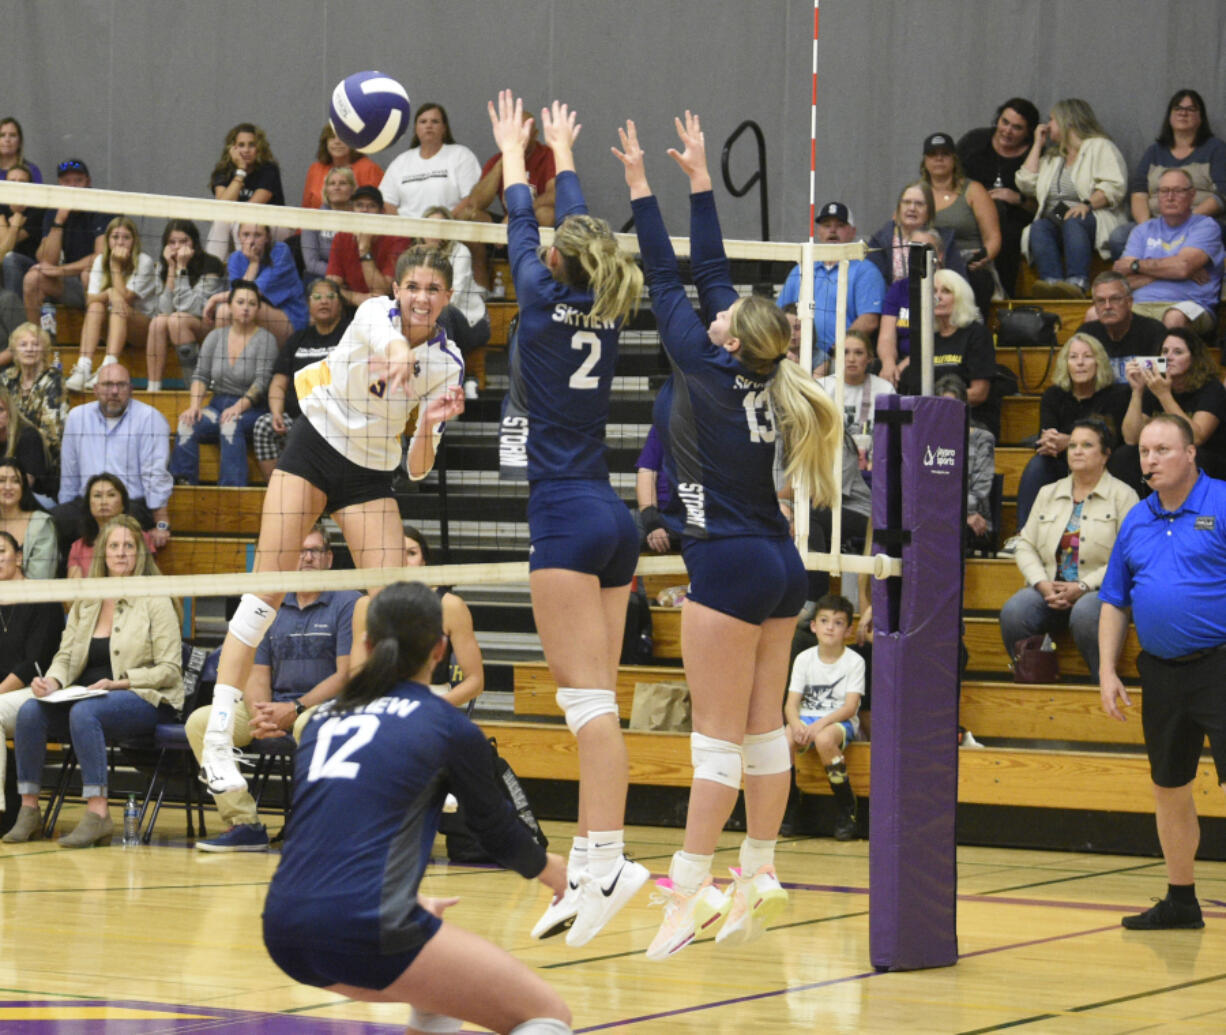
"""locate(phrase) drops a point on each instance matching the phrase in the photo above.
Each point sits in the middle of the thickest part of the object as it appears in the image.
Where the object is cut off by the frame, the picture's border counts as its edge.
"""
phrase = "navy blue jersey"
(561, 361)
(368, 790)
(714, 416)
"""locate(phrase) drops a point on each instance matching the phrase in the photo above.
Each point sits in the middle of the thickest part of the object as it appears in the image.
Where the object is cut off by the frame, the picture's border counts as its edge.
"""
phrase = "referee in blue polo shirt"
(1169, 567)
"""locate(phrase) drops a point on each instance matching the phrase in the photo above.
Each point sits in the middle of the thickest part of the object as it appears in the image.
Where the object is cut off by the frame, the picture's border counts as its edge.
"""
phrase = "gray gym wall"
(144, 90)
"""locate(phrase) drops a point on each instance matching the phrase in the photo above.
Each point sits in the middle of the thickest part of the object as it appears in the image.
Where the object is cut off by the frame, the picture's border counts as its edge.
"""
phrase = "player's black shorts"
(752, 578)
(308, 455)
(1181, 704)
(324, 967)
(581, 524)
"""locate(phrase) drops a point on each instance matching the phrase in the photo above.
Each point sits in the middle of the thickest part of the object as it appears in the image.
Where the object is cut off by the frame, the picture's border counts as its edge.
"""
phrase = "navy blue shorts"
(325, 967)
(582, 525)
(311, 457)
(748, 577)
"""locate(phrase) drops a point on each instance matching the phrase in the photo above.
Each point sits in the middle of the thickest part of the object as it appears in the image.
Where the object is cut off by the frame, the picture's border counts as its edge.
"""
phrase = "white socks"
(688, 870)
(756, 854)
(605, 849)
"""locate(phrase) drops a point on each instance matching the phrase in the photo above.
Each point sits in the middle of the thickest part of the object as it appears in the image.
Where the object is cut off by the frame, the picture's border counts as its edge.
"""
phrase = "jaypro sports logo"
(941, 459)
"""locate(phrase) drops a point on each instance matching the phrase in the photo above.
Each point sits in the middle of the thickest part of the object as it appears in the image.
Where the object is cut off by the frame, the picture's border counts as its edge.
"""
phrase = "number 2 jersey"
(347, 401)
(368, 790)
(561, 362)
(713, 415)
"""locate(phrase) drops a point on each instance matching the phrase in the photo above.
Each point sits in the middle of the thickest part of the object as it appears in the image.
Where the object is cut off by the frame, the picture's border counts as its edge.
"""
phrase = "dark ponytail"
(403, 624)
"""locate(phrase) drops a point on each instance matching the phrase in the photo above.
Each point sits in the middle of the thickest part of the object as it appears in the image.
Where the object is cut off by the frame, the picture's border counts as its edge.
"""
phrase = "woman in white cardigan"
(1079, 179)
(1063, 550)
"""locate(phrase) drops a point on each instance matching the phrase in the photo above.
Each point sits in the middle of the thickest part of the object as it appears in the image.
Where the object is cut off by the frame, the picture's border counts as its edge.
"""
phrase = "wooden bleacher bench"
(214, 509)
(197, 555)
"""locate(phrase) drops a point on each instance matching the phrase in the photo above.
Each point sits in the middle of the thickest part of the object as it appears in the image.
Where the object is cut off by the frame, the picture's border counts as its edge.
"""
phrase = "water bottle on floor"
(131, 822)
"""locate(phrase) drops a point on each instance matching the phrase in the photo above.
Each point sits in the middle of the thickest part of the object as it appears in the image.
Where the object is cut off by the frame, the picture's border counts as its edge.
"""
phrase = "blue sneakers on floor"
(246, 837)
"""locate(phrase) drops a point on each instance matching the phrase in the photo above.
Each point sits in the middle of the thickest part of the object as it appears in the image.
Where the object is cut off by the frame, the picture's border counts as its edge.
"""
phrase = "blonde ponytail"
(812, 430)
(591, 258)
(811, 425)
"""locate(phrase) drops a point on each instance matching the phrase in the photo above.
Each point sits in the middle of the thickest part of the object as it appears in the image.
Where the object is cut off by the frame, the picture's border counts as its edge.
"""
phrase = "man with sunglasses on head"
(71, 239)
(301, 662)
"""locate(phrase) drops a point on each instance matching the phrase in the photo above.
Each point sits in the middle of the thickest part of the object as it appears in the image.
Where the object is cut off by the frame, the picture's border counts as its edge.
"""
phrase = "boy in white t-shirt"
(823, 702)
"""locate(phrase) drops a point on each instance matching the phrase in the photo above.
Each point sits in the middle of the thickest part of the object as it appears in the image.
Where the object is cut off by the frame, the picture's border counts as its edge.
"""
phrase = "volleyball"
(369, 111)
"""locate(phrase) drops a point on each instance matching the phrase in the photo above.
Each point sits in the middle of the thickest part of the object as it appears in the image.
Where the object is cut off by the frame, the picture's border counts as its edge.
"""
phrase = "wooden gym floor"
(166, 939)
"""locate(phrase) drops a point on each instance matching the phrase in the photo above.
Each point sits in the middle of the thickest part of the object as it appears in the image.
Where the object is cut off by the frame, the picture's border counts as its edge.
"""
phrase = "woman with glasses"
(1186, 142)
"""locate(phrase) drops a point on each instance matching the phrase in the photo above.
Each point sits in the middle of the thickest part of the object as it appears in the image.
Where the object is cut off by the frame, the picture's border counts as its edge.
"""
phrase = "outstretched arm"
(681, 331)
(511, 131)
(708, 261)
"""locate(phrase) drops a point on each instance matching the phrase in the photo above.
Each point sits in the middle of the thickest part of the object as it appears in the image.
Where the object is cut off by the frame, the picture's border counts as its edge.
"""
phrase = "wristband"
(651, 519)
(240, 173)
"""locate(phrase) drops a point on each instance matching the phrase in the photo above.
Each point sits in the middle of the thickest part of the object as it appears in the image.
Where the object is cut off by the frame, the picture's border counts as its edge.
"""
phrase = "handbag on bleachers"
(1035, 661)
(1028, 327)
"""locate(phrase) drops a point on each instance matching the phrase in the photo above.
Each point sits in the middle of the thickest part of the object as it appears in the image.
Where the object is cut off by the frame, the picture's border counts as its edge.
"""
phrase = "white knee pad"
(423, 1020)
(582, 706)
(716, 760)
(542, 1026)
(252, 619)
(767, 753)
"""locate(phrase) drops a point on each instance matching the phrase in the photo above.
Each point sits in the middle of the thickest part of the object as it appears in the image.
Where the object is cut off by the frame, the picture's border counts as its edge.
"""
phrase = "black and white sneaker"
(598, 902)
(561, 914)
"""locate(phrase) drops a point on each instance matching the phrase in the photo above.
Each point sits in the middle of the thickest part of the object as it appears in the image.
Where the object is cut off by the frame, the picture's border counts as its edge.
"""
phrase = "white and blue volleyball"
(369, 111)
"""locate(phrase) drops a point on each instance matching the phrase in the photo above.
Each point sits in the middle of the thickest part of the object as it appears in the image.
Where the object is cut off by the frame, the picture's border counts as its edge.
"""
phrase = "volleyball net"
(463, 504)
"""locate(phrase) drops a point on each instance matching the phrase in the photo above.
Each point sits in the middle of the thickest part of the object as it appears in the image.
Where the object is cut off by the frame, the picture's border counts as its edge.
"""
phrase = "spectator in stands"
(334, 153)
(963, 206)
(894, 337)
(20, 517)
(338, 187)
(865, 287)
(538, 161)
(122, 435)
(435, 170)
(29, 637)
(189, 277)
(961, 345)
(236, 364)
(795, 325)
(1121, 332)
(1190, 388)
(1077, 177)
(823, 703)
(913, 214)
(106, 498)
(1184, 142)
(460, 676)
(992, 156)
(131, 648)
(302, 661)
(21, 439)
(270, 266)
(1173, 262)
(12, 149)
(980, 468)
(1062, 551)
(307, 346)
(465, 319)
(364, 265)
(70, 241)
(122, 293)
(37, 386)
(1083, 385)
(21, 232)
(653, 491)
(860, 388)
(246, 171)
